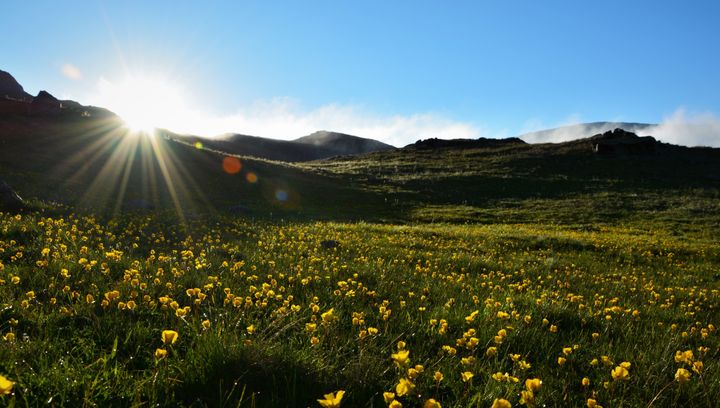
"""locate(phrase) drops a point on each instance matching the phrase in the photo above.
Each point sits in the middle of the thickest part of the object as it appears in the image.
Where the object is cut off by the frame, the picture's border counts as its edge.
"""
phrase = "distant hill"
(343, 144)
(266, 148)
(319, 145)
(15, 101)
(580, 131)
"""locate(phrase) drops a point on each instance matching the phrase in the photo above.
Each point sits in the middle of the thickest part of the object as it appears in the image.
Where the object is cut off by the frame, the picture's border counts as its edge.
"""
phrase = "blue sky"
(393, 70)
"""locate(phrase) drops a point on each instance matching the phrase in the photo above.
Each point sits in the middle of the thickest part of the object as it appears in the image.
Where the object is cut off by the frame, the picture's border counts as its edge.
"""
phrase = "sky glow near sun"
(144, 103)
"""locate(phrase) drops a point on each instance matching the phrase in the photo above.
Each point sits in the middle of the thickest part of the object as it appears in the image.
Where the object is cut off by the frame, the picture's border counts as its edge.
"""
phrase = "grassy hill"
(318, 145)
(93, 163)
(565, 182)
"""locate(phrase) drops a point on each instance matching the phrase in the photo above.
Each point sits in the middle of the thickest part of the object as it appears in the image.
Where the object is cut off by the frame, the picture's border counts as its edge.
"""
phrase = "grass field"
(272, 313)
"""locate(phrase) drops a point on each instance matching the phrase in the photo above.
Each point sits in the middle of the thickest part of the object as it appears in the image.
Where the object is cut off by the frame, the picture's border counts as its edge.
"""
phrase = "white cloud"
(284, 119)
(71, 71)
(687, 129)
(279, 118)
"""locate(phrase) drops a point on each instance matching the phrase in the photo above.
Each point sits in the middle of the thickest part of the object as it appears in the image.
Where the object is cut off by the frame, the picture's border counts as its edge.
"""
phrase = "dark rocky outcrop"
(479, 143)
(329, 244)
(45, 104)
(11, 89)
(619, 141)
(9, 199)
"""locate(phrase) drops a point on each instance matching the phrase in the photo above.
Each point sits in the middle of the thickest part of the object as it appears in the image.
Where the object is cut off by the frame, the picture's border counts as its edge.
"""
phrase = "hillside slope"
(319, 145)
(94, 163)
(608, 176)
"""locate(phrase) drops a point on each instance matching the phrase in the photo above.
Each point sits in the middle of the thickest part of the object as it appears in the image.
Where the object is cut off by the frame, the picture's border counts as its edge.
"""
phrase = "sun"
(144, 103)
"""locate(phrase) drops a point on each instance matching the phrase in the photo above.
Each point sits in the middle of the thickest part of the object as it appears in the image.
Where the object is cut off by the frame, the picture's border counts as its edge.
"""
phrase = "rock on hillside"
(9, 199)
(479, 143)
(10, 88)
(342, 143)
(620, 141)
(45, 104)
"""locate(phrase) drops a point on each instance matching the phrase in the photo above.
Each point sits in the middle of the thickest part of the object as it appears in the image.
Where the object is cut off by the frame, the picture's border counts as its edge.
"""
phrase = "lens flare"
(231, 165)
(281, 195)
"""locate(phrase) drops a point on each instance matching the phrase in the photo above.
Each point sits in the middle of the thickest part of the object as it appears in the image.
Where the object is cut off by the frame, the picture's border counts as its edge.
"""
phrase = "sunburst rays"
(122, 169)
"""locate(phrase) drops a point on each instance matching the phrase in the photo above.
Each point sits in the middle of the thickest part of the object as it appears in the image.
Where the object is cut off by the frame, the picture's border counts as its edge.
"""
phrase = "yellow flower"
(160, 353)
(6, 385)
(395, 404)
(10, 336)
(404, 387)
(431, 403)
(698, 366)
(567, 350)
(182, 311)
(467, 376)
(526, 397)
(332, 400)
(438, 376)
(501, 403)
(585, 381)
(591, 403)
(169, 336)
(620, 373)
(327, 317)
(314, 341)
(472, 316)
(684, 356)
(372, 331)
(498, 376)
(206, 324)
(533, 384)
(467, 360)
(401, 357)
(561, 361)
(682, 375)
(491, 351)
(388, 397)
(251, 329)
